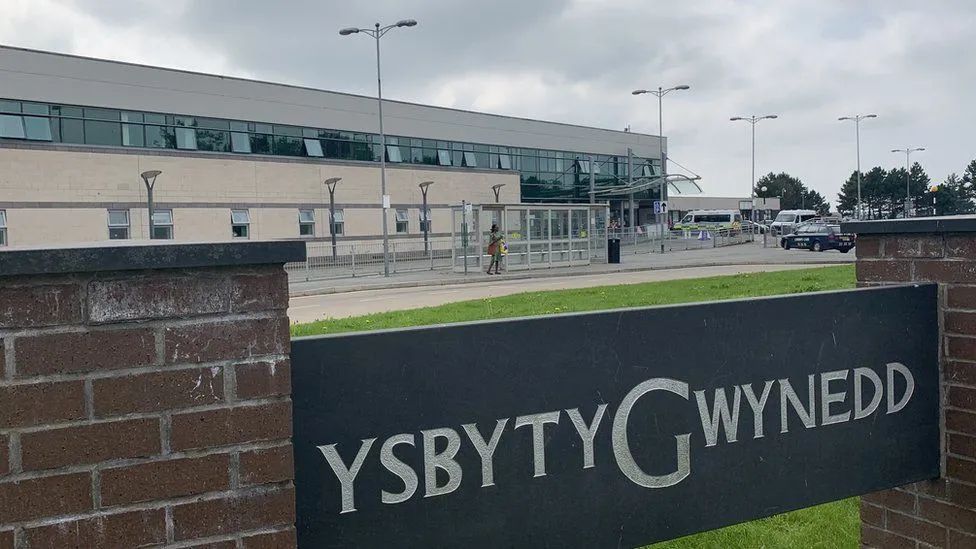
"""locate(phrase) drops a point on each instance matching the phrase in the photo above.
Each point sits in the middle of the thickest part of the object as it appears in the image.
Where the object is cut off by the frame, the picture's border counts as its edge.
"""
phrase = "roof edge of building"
(319, 90)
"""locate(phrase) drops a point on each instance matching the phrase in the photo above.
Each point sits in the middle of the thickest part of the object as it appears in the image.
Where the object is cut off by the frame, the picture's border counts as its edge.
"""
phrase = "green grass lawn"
(600, 297)
(834, 525)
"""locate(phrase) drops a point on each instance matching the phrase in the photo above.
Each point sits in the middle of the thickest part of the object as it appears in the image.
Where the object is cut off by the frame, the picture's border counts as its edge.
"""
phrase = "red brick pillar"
(940, 513)
(145, 397)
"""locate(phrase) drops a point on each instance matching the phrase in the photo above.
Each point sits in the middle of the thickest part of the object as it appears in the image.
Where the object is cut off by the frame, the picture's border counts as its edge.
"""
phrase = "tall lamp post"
(497, 189)
(423, 190)
(377, 32)
(908, 174)
(331, 184)
(753, 120)
(857, 133)
(660, 93)
(149, 178)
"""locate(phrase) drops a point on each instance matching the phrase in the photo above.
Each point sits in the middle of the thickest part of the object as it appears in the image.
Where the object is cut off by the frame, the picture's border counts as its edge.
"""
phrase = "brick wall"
(940, 513)
(146, 407)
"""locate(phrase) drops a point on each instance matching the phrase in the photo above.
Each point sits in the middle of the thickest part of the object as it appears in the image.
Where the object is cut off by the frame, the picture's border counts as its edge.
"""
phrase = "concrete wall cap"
(128, 256)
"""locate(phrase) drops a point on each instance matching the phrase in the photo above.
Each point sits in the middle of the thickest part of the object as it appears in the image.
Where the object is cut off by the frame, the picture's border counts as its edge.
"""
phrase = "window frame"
(401, 217)
(3, 228)
(423, 221)
(126, 227)
(236, 225)
(304, 224)
(168, 225)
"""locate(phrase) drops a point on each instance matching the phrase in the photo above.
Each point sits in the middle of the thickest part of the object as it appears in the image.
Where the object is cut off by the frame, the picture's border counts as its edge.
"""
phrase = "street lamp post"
(857, 133)
(149, 178)
(423, 190)
(331, 184)
(660, 93)
(753, 120)
(377, 32)
(908, 174)
(497, 189)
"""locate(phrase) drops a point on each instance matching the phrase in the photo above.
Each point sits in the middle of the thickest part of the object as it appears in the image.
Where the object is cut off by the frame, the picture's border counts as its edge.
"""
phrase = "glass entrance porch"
(537, 236)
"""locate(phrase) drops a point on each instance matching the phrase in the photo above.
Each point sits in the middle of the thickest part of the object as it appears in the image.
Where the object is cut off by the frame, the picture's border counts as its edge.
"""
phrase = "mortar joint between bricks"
(230, 382)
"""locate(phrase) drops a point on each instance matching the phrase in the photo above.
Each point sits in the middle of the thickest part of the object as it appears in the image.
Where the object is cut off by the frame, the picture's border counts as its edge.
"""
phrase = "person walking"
(495, 249)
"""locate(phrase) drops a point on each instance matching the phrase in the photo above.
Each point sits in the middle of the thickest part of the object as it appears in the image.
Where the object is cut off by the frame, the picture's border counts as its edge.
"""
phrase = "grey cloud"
(809, 61)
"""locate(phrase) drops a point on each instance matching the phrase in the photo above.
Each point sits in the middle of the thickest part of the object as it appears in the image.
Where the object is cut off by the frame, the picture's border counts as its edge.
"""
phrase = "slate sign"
(613, 429)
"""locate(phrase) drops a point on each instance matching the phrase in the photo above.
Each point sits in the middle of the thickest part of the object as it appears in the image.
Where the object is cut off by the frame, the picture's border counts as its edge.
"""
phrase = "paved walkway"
(742, 254)
(346, 304)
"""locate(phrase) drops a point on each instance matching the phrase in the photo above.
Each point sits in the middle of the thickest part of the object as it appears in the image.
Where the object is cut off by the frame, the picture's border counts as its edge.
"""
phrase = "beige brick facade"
(56, 195)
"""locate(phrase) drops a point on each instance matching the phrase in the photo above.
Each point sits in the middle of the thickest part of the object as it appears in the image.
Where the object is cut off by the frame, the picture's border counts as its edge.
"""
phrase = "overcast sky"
(913, 63)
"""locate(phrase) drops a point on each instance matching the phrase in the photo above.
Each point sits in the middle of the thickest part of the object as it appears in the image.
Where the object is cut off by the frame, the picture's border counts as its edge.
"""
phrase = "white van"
(710, 219)
(787, 220)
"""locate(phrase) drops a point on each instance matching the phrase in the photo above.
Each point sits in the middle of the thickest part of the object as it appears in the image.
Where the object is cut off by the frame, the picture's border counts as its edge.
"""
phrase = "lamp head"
(683, 87)
(845, 118)
(734, 118)
(150, 177)
(425, 184)
(870, 116)
(406, 23)
(347, 31)
(771, 116)
(638, 92)
(333, 180)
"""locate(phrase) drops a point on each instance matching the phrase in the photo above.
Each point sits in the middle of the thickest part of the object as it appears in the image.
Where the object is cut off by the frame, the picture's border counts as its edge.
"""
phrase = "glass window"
(288, 146)
(213, 140)
(152, 118)
(469, 160)
(72, 131)
(393, 154)
(240, 142)
(102, 114)
(128, 116)
(187, 121)
(238, 126)
(260, 144)
(292, 131)
(338, 222)
(213, 123)
(444, 157)
(103, 133)
(313, 147)
(3, 227)
(584, 166)
(159, 137)
(402, 221)
(118, 224)
(425, 220)
(240, 223)
(36, 108)
(132, 135)
(504, 162)
(12, 126)
(306, 222)
(162, 225)
(186, 138)
(37, 128)
(10, 106)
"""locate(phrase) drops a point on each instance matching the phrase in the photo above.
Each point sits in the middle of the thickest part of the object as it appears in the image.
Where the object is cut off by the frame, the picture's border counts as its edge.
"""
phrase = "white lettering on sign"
(826, 401)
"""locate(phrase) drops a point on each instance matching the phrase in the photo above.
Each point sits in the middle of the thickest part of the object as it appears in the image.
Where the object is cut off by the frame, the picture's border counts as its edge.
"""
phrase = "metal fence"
(366, 258)
(649, 239)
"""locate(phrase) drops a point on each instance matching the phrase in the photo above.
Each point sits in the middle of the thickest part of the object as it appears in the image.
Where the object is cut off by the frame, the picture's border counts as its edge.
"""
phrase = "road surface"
(342, 305)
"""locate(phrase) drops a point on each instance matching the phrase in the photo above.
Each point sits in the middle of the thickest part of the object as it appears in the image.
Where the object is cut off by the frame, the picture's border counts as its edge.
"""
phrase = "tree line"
(883, 193)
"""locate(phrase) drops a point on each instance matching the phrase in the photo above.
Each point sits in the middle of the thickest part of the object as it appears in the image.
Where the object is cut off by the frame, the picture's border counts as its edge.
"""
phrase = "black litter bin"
(613, 250)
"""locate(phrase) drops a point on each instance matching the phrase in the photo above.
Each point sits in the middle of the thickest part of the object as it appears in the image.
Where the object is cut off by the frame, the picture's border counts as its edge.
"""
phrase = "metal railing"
(649, 239)
(366, 258)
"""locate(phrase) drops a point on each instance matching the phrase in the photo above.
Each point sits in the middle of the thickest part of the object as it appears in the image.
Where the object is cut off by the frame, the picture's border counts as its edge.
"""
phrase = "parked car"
(818, 237)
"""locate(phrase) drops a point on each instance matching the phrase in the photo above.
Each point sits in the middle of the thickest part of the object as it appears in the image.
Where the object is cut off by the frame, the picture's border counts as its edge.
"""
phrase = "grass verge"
(601, 297)
(833, 525)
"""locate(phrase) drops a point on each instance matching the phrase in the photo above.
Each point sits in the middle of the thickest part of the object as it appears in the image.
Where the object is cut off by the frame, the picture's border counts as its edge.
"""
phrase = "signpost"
(566, 431)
